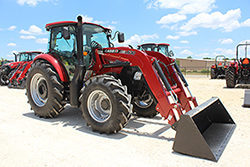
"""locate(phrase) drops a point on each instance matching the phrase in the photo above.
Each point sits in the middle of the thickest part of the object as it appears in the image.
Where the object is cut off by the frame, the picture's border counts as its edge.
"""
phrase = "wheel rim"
(144, 102)
(99, 106)
(39, 90)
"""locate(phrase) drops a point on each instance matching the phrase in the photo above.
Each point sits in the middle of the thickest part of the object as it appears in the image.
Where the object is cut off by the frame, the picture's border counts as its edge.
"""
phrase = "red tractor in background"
(218, 69)
(83, 68)
(16, 71)
(238, 71)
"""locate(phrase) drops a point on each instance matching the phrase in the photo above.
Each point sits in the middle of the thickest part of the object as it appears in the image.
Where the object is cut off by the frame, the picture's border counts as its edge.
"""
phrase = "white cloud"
(186, 52)
(180, 47)
(184, 6)
(226, 52)
(27, 37)
(246, 23)
(187, 33)
(139, 39)
(171, 18)
(11, 44)
(226, 41)
(227, 22)
(30, 2)
(202, 55)
(184, 41)
(33, 30)
(172, 37)
(12, 28)
(42, 40)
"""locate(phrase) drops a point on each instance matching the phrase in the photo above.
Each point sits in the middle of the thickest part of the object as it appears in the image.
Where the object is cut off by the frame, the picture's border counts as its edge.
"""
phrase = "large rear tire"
(230, 77)
(105, 104)
(44, 90)
(213, 73)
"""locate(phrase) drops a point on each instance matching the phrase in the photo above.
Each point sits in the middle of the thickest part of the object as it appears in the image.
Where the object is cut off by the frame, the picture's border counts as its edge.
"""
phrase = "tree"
(189, 57)
(207, 58)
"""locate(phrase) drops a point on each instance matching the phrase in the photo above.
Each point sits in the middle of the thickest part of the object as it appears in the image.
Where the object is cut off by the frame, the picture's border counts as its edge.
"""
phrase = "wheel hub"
(99, 106)
(39, 90)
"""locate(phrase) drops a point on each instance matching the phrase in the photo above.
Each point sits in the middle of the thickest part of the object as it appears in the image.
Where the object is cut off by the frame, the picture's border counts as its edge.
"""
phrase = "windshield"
(94, 33)
(23, 57)
(149, 47)
(163, 49)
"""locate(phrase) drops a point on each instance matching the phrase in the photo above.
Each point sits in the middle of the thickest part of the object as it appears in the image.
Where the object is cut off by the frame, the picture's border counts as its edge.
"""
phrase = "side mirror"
(66, 34)
(121, 37)
(171, 53)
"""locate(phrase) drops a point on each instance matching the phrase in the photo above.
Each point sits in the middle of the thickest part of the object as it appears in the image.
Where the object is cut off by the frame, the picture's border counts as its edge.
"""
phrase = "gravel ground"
(29, 141)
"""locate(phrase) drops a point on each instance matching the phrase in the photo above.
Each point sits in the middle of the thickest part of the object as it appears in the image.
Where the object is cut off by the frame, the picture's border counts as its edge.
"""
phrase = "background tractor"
(17, 69)
(218, 69)
(238, 71)
(163, 48)
(83, 68)
(5, 62)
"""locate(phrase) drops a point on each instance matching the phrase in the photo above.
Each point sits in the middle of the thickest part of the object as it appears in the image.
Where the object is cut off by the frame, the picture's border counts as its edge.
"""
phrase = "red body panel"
(56, 64)
(145, 63)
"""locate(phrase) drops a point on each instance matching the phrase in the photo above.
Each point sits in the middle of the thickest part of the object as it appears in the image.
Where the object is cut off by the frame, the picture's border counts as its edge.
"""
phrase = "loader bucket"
(204, 131)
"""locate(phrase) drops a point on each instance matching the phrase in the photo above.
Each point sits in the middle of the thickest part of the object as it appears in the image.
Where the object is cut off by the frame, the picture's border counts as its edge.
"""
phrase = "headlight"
(137, 76)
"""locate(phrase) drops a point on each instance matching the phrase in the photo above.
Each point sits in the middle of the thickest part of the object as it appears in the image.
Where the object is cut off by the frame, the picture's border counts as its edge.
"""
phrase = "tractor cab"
(162, 48)
(64, 41)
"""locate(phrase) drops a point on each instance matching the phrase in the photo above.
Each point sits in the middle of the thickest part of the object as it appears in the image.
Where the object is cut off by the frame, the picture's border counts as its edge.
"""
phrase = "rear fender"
(56, 64)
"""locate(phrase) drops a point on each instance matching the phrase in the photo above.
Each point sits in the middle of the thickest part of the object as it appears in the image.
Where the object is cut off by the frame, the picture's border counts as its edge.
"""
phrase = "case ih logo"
(119, 51)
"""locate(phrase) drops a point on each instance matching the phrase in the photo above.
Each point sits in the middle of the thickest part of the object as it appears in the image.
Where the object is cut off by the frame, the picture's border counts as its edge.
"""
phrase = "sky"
(196, 28)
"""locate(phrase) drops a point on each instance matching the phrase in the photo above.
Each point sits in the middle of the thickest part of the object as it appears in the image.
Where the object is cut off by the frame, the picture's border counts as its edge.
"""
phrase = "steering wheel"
(95, 45)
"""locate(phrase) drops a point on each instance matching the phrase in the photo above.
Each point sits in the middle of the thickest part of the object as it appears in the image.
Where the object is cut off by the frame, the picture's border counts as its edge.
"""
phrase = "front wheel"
(144, 106)
(44, 90)
(105, 104)
(4, 76)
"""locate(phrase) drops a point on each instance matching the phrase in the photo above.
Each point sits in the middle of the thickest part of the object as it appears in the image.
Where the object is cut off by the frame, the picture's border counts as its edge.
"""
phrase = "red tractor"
(84, 69)
(218, 69)
(17, 68)
(238, 71)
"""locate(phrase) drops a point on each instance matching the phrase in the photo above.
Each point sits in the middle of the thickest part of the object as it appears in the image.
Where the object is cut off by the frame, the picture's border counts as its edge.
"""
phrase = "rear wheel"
(213, 73)
(144, 106)
(230, 77)
(105, 104)
(44, 90)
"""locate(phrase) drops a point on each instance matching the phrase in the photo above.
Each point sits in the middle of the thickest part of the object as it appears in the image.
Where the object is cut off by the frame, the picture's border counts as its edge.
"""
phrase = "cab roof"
(62, 23)
(154, 44)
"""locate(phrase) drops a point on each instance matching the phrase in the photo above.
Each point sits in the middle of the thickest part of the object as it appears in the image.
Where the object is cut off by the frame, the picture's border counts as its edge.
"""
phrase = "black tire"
(4, 76)
(52, 90)
(147, 111)
(213, 73)
(114, 95)
(230, 77)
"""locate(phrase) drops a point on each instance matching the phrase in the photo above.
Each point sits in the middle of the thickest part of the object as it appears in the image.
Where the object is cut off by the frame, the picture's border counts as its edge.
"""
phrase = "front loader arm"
(167, 106)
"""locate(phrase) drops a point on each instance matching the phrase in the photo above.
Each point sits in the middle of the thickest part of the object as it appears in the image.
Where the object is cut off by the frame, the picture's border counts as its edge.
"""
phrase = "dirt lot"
(27, 140)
